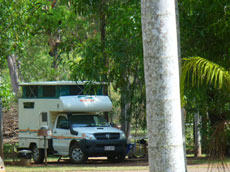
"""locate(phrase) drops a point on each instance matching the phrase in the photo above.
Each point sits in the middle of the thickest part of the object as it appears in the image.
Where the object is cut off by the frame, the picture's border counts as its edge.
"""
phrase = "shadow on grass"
(100, 162)
(96, 164)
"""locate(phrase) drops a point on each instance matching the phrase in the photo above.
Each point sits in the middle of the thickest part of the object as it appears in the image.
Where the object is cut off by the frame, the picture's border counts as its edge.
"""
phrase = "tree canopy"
(77, 40)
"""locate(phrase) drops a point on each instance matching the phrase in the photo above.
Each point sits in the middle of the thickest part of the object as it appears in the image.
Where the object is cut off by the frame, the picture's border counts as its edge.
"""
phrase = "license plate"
(109, 148)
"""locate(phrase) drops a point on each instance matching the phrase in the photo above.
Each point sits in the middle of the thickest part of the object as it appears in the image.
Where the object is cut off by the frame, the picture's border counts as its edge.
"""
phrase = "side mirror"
(73, 132)
(70, 125)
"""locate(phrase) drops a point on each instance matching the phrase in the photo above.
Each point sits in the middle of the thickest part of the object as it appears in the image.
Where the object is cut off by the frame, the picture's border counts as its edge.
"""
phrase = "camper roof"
(62, 83)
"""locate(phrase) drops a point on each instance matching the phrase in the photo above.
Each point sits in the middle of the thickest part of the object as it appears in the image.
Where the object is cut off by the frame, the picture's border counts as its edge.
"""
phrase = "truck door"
(61, 135)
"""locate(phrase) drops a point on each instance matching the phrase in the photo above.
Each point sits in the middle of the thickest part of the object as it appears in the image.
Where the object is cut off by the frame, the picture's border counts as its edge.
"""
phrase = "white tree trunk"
(162, 86)
(13, 72)
(197, 135)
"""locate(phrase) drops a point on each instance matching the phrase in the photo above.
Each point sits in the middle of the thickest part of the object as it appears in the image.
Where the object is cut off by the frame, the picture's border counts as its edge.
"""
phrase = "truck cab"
(74, 119)
(91, 135)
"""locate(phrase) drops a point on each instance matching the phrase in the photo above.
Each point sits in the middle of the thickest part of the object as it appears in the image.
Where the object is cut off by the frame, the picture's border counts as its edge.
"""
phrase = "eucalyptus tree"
(11, 22)
(100, 40)
(126, 56)
(162, 86)
(39, 34)
(122, 46)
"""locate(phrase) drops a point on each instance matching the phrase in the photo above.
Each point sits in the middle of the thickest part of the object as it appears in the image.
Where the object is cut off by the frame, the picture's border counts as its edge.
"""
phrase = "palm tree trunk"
(162, 86)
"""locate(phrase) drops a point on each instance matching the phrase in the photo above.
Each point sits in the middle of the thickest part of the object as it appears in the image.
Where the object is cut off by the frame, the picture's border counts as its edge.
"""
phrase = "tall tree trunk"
(204, 133)
(125, 112)
(12, 64)
(54, 41)
(197, 136)
(162, 86)
(102, 16)
(179, 59)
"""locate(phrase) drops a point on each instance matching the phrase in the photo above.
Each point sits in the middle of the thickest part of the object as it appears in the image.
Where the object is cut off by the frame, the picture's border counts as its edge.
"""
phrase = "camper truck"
(71, 114)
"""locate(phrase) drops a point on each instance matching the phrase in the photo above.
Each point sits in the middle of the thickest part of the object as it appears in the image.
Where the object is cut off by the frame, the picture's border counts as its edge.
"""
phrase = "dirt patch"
(10, 124)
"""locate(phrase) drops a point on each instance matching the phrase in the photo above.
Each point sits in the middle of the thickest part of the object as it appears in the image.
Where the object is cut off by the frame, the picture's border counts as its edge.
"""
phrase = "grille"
(107, 136)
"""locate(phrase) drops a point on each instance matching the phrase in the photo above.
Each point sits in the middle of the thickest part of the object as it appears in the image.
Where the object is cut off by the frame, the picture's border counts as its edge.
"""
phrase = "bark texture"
(162, 86)
(13, 72)
(197, 135)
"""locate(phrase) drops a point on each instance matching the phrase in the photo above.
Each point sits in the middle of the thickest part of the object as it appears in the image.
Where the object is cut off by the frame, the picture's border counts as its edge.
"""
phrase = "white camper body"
(71, 117)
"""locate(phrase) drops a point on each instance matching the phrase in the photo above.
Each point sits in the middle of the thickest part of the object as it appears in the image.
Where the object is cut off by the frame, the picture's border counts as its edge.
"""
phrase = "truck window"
(62, 123)
(88, 121)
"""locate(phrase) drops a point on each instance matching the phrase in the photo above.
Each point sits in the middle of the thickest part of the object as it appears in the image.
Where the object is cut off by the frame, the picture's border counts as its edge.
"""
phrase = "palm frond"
(197, 71)
(201, 70)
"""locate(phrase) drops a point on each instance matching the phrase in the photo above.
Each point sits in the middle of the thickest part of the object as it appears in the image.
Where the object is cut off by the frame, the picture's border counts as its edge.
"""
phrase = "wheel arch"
(32, 144)
(75, 146)
(73, 142)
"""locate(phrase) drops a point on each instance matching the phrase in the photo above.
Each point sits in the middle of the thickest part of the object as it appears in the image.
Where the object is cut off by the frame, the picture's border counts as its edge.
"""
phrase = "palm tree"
(198, 71)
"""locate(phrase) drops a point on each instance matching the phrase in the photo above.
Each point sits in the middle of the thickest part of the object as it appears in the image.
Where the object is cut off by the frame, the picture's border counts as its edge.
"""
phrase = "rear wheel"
(76, 154)
(37, 154)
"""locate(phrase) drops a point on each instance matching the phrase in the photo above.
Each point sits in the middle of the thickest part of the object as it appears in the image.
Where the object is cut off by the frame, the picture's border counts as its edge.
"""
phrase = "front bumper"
(97, 147)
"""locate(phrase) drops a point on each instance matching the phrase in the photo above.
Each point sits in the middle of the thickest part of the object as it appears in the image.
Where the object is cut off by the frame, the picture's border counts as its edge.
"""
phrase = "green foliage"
(189, 138)
(26, 29)
(204, 27)
(204, 70)
(204, 32)
(91, 65)
(64, 40)
(119, 58)
(36, 64)
(10, 150)
(6, 93)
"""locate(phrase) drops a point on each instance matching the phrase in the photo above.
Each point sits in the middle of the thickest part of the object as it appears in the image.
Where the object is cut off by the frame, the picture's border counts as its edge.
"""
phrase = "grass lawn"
(100, 164)
(72, 168)
(94, 164)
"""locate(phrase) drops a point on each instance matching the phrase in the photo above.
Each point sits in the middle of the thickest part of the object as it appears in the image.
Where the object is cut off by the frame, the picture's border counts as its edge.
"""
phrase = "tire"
(116, 158)
(38, 155)
(76, 155)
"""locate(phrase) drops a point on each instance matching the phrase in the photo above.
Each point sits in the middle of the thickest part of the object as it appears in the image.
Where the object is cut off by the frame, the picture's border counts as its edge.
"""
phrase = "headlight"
(122, 136)
(89, 136)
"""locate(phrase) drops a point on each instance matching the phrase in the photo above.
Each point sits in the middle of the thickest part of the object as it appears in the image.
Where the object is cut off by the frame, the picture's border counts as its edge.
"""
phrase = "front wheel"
(76, 155)
(38, 154)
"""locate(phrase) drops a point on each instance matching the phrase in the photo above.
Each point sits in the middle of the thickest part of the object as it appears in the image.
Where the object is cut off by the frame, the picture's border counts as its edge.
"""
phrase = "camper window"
(44, 116)
(30, 92)
(28, 105)
(76, 89)
(49, 91)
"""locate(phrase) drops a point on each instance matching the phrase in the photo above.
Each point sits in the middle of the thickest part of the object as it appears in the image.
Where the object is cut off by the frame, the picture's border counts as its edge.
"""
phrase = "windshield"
(88, 121)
